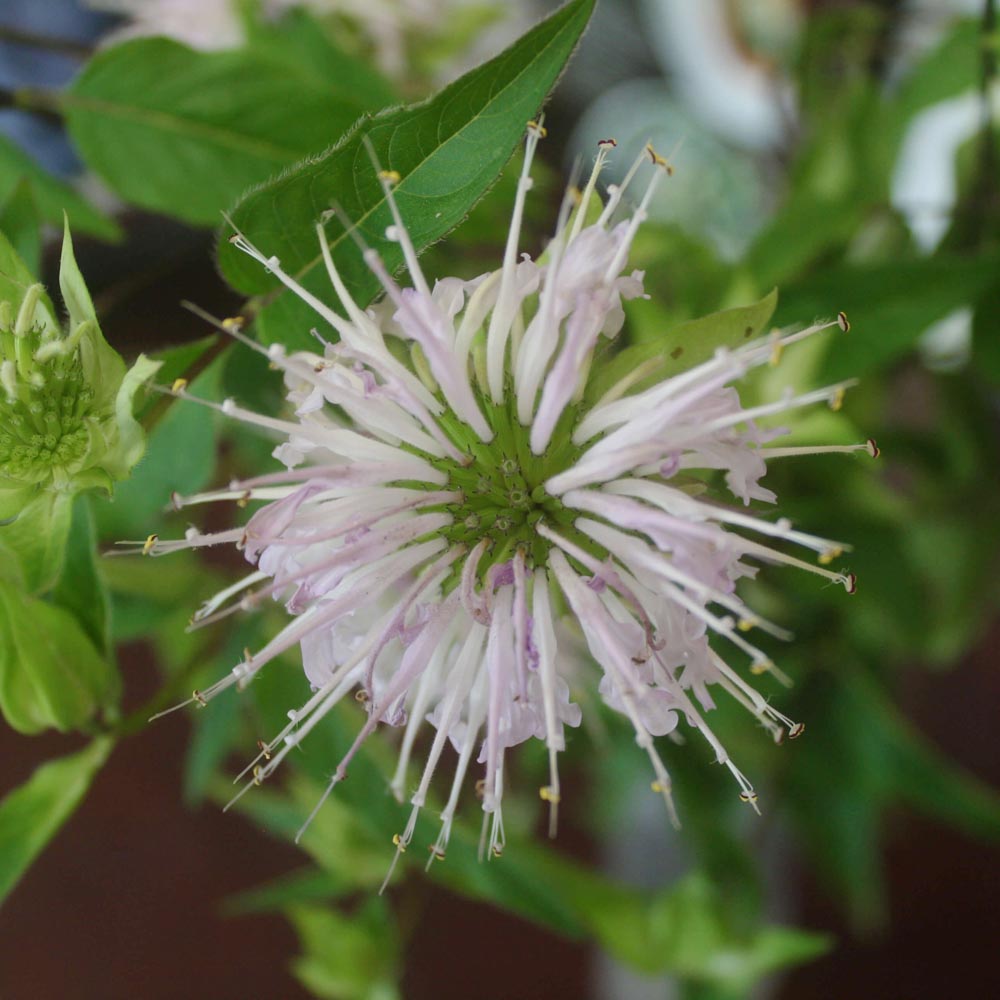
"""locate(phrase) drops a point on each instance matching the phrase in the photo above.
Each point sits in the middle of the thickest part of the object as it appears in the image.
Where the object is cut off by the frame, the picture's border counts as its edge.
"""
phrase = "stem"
(64, 46)
(38, 100)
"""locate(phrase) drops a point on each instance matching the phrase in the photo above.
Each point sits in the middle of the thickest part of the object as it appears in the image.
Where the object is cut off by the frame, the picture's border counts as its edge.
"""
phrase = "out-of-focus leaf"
(31, 815)
(80, 588)
(890, 305)
(51, 196)
(447, 151)
(185, 132)
(51, 676)
(682, 346)
(20, 222)
(346, 957)
(308, 885)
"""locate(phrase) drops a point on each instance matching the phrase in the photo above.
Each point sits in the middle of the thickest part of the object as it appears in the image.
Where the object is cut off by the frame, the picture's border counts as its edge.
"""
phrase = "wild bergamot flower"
(454, 503)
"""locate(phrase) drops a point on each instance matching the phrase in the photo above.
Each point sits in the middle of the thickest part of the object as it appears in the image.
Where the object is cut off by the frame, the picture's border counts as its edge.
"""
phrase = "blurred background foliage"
(845, 153)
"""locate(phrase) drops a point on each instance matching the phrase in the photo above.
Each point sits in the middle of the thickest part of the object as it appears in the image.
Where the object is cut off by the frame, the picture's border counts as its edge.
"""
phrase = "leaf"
(36, 540)
(448, 151)
(185, 132)
(52, 197)
(347, 957)
(683, 346)
(31, 815)
(51, 676)
(890, 305)
(20, 222)
(16, 279)
(81, 589)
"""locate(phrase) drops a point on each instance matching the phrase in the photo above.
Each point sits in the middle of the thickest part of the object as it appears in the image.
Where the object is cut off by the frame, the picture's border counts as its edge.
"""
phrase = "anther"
(179, 385)
(837, 399)
(797, 730)
(873, 448)
(497, 851)
(243, 500)
(399, 843)
(258, 775)
(480, 788)
(436, 852)
(149, 544)
(761, 666)
(659, 161)
(233, 323)
(362, 696)
(843, 322)
(828, 555)
(264, 749)
(548, 794)
(851, 583)
(749, 797)
(537, 128)
(746, 624)
(777, 347)
(389, 176)
(607, 144)
(199, 697)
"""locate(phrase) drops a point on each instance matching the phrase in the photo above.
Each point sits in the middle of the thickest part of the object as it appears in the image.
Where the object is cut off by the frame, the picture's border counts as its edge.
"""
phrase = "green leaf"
(81, 590)
(52, 196)
(448, 151)
(20, 221)
(36, 539)
(682, 346)
(890, 305)
(185, 132)
(347, 957)
(31, 815)
(51, 676)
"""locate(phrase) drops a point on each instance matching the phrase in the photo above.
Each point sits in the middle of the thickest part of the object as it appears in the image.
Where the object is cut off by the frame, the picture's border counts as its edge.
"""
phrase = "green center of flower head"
(502, 486)
(44, 403)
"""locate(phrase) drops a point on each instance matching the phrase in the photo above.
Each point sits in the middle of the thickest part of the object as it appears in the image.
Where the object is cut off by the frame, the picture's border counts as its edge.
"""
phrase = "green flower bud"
(65, 396)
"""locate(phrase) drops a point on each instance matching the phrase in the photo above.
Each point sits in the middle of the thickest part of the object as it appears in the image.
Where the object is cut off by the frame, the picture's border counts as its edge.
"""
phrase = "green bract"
(65, 396)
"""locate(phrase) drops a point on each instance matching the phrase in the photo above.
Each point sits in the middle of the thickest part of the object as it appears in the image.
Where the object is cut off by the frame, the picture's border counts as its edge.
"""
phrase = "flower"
(454, 498)
(65, 399)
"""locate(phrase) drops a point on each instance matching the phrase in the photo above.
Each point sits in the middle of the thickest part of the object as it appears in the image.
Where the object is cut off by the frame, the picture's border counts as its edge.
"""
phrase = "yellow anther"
(837, 399)
(658, 787)
(655, 156)
(243, 500)
(777, 347)
(538, 129)
(362, 696)
(199, 697)
(436, 851)
(761, 666)
(497, 851)
(149, 544)
(828, 555)
(749, 797)
(548, 794)
(233, 323)
(797, 730)
(179, 385)
(264, 749)
(575, 193)
(399, 843)
(258, 775)
(389, 176)
(843, 322)
(746, 624)
(873, 448)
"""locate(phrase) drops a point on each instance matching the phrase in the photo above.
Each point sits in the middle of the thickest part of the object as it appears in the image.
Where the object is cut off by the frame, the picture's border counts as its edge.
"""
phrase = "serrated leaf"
(448, 151)
(52, 196)
(185, 132)
(682, 346)
(31, 815)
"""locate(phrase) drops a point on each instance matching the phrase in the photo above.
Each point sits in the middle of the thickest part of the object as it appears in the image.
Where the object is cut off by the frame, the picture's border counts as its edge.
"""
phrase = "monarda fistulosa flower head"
(457, 513)
(65, 396)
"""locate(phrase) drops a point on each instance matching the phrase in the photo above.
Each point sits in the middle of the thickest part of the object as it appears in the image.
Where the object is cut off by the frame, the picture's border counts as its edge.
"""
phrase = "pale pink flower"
(441, 520)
